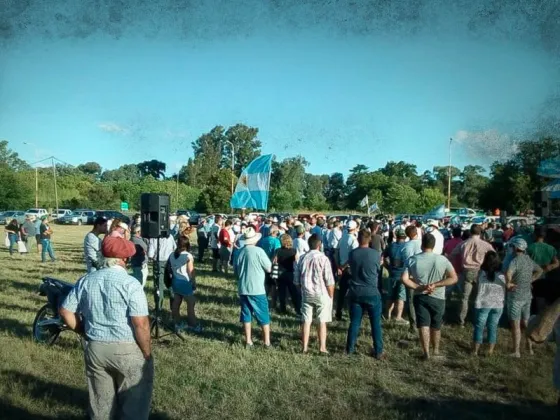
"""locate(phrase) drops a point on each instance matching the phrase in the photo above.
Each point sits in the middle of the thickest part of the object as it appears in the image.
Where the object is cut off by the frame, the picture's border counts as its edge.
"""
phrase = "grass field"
(212, 376)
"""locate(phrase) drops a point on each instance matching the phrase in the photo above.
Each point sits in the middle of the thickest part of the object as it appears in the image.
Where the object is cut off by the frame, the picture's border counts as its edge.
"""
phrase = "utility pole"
(55, 188)
(232, 164)
(449, 177)
(36, 173)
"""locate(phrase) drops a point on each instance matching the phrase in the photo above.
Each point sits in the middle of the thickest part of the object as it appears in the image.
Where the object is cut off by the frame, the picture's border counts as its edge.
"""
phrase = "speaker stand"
(156, 321)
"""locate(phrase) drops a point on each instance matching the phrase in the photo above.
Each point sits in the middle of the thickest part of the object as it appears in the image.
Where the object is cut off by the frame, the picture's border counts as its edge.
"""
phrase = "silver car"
(12, 214)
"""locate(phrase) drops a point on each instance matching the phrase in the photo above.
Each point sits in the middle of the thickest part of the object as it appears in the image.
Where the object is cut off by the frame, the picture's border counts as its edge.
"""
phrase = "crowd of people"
(33, 232)
(324, 268)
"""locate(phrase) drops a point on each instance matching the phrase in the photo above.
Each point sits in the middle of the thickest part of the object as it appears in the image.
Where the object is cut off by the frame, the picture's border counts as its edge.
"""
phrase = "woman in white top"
(183, 284)
(489, 303)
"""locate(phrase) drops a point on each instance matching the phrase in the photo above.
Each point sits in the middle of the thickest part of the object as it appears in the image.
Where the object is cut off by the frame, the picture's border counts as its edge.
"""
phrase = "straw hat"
(251, 237)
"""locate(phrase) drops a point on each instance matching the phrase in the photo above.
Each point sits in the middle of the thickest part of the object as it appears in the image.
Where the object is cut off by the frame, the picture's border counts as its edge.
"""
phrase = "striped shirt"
(313, 273)
(107, 299)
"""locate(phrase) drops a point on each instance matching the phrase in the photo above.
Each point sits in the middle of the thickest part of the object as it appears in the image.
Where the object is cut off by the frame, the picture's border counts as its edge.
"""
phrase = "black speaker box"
(154, 211)
(541, 201)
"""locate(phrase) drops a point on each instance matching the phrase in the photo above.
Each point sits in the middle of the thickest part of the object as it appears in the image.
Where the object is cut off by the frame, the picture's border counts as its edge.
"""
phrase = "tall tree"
(208, 153)
(246, 146)
(314, 191)
(128, 172)
(287, 182)
(336, 191)
(11, 158)
(152, 167)
(399, 169)
(90, 168)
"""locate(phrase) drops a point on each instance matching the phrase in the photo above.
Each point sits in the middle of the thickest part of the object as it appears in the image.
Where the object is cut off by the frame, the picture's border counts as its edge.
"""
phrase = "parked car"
(60, 213)
(38, 213)
(78, 217)
(12, 214)
(194, 217)
(112, 214)
(478, 220)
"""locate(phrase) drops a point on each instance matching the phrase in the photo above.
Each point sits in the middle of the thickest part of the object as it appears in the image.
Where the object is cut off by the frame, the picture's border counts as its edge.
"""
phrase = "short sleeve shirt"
(107, 299)
(428, 268)
(521, 268)
(252, 264)
(541, 253)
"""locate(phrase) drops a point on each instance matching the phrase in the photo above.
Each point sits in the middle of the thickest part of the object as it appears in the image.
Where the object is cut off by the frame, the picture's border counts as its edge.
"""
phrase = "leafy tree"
(246, 146)
(430, 198)
(11, 158)
(216, 196)
(208, 152)
(336, 191)
(289, 176)
(472, 183)
(128, 172)
(399, 170)
(14, 194)
(152, 167)
(401, 199)
(314, 191)
(90, 168)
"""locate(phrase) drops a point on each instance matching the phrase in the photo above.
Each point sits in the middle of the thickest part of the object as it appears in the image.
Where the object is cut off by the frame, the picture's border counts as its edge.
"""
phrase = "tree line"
(204, 183)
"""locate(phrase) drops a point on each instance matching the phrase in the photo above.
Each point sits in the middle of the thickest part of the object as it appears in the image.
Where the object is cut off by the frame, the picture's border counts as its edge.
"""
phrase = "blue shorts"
(182, 287)
(397, 291)
(256, 306)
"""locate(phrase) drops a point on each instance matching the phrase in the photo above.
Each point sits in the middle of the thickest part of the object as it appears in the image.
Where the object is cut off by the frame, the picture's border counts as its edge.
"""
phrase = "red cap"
(116, 247)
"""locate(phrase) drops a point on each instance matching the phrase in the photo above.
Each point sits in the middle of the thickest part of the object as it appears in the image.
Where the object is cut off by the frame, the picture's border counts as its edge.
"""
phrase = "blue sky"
(336, 97)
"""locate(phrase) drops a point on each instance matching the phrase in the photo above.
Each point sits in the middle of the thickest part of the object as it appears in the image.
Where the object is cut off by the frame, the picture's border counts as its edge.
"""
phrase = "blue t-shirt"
(365, 264)
(410, 249)
(396, 259)
(269, 245)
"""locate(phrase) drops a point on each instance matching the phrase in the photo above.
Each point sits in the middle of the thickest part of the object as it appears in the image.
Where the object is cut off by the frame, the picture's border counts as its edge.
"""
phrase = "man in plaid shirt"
(314, 277)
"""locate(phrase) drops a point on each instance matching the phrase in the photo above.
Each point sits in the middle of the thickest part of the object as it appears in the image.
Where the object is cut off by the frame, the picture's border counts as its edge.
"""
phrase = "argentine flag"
(253, 185)
(436, 213)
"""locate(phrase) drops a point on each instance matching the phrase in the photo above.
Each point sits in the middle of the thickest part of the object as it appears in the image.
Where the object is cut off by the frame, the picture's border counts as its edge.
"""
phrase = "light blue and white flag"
(553, 189)
(436, 213)
(253, 185)
(549, 168)
(374, 208)
(364, 202)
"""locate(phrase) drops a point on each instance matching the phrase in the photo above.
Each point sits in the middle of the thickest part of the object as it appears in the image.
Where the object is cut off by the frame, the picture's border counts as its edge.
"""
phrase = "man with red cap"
(110, 309)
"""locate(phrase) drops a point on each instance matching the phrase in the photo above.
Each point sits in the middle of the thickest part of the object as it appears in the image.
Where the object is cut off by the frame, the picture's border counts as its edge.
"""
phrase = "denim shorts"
(518, 309)
(182, 287)
(254, 305)
(429, 311)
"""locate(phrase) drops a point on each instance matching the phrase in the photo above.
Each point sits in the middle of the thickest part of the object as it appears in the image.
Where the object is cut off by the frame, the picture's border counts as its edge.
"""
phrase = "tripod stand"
(156, 321)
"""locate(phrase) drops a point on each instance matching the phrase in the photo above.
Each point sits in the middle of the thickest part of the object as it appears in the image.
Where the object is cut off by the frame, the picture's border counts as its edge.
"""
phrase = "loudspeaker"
(154, 212)
(541, 201)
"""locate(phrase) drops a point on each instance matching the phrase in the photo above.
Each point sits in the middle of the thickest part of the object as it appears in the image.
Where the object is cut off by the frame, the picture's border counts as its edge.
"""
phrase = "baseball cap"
(352, 225)
(300, 229)
(400, 233)
(432, 222)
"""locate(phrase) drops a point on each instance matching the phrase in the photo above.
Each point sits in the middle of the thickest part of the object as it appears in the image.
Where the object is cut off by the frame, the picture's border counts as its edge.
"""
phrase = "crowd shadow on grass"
(458, 409)
(20, 308)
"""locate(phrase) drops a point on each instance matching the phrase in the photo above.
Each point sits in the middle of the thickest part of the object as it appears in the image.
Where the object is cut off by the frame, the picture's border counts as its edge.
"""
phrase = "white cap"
(432, 222)
(123, 225)
(352, 225)
(297, 223)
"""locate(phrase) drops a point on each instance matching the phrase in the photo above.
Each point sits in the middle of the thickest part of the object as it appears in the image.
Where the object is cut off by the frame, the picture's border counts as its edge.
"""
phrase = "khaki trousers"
(120, 381)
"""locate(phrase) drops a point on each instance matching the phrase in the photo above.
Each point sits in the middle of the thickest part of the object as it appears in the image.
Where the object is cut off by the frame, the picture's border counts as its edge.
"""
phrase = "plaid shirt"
(107, 299)
(313, 273)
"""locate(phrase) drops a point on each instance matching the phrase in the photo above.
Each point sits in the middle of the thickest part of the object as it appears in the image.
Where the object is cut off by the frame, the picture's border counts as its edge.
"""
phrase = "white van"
(38, 213)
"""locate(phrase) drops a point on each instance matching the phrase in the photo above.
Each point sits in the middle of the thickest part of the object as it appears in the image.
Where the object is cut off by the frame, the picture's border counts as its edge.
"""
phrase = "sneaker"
(401, 321)
(249, 346)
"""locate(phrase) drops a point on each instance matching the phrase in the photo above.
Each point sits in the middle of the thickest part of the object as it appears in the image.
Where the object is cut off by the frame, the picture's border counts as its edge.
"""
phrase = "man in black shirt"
(364, 296)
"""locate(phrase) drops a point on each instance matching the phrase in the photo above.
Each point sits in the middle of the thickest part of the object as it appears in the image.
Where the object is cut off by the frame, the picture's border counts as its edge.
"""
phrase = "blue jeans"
(489, 318)
(47, 247)
(13, 241)
(373, 307)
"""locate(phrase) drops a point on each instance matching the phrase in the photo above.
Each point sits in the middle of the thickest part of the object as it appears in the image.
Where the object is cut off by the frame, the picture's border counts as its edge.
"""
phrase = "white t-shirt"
(490, 293)
(179, 265)
(301, 246)
(438, 249)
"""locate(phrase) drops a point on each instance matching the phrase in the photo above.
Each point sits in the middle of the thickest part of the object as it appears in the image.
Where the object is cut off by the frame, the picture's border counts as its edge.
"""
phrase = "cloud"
(486, 145)
(110, 127)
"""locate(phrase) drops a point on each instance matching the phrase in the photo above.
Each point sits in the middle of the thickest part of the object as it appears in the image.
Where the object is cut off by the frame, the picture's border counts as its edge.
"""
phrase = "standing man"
(46, 246)
(313, 276)
(28, 232)
(397, 291)
(377, 241)
(37, 223)
(202, 233)
(471, 253)
(347, 243)
(428, 274)
(433, 228)
(214, 243)
(118, 357)
(365, 264)
(411, 248)
(166, 248)
(251, 267)
(92, 245)
(225, 239)
(331, 245)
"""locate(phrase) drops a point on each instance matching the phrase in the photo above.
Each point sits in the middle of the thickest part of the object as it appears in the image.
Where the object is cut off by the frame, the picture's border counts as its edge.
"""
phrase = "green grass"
(211, 376)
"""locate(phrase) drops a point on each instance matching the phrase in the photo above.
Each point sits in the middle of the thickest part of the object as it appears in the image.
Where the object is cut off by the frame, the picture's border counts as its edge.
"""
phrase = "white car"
(478, 220)
(60, 213)
(38, 213)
